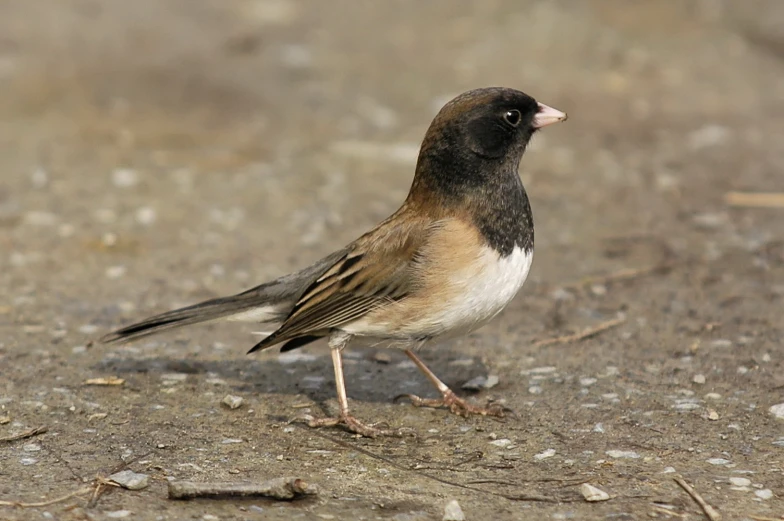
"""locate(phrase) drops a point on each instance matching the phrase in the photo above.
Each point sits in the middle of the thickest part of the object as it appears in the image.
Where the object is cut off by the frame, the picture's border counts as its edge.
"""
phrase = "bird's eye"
(513, 117)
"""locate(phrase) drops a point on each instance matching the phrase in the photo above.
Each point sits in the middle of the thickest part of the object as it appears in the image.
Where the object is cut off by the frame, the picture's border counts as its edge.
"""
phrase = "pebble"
(28, 461)
(718, 461)
(229, 441)
(591, 493)
(535, 389)
(549, 453)
(131, 480)
(119, 514)
(41, 218)
(146, 215)
(453, 512)
(721, 342)
(115, 272)
(668, 470)
(598, 428)
(698, 379)
(713, 396)
(777, 411)
(232, 402)
(31, 447)
(503, 443)
(384, 358)
(765, 493)
(539, 370)
(585, 382)
(125, 178)
(623, 454)
(708, 136)
(740, 482)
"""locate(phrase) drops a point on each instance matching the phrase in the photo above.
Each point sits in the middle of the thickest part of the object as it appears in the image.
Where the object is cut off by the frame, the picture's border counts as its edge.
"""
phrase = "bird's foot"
(457, 405)
(351, 424)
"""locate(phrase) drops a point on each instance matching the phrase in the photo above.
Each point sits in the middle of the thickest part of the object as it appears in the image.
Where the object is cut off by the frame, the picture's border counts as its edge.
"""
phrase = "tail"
(237, 307)
(269, 303)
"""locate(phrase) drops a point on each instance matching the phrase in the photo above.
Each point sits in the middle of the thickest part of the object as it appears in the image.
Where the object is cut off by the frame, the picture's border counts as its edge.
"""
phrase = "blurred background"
(158, 152)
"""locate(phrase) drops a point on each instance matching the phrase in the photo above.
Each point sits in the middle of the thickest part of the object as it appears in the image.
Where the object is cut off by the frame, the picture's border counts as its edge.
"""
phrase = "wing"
(377, 269)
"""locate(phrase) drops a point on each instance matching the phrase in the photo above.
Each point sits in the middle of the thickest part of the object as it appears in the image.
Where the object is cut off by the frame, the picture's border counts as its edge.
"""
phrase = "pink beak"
(547, 116)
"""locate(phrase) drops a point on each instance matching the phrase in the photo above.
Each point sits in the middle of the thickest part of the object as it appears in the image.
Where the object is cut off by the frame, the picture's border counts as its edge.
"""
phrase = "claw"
(457, 405)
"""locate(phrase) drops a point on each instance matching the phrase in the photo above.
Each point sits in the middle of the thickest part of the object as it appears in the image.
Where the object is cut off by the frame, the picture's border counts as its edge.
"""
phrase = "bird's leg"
(449, 398)
(336, 343)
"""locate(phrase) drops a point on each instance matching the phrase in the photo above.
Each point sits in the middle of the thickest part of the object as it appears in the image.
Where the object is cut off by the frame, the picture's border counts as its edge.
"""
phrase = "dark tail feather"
(207, 311)
(292, 344)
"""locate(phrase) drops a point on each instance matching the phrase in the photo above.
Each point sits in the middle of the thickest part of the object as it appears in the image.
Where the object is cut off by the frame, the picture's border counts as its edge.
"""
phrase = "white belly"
(475, 294)
(482, 293)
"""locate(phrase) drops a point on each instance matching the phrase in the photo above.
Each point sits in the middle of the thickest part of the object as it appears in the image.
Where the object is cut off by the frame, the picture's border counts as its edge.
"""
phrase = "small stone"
(232, 402)
(777, 411)
(712, 415)
(492, 381)
(668, 470)
(382, 357)
(540, 370)
(721, 342)
(125, 178)
(503, 443)
(591, 493)
(453, 512)
(713, 396)
(31, 447)
(698, 379)
(475, 384)
(28, 461)
(586, 382)
(598, 428)
(765, 493)
(130, 480)
(549, 453)
(708, 136)
(229, 441)
(146, 215)
(115, 272)
(535, 389)
(622, 454)
(718, 461)
(740, 482)
(118, 514)
(743, 370)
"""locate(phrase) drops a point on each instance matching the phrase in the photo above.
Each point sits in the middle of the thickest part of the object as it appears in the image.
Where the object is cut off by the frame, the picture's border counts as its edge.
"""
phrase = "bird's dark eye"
(513, 117)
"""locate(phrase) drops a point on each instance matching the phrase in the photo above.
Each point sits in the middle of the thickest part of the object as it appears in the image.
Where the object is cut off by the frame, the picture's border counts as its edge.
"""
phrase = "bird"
(450, 259)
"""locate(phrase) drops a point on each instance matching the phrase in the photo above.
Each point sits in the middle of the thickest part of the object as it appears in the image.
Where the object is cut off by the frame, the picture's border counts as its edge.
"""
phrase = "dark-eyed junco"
(449, 260)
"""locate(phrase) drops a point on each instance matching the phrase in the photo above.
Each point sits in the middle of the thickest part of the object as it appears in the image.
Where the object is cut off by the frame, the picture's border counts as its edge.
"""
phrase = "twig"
(278, 488)
(19, 504)
(710, 512)
(26, 434)
(582, 335)
(755, 200)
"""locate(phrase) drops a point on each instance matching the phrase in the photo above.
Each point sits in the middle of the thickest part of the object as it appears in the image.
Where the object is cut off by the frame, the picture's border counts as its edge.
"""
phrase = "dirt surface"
(156, 153)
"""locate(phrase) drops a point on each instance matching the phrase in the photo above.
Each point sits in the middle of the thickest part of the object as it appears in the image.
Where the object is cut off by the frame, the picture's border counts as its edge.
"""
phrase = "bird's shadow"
(373, 375)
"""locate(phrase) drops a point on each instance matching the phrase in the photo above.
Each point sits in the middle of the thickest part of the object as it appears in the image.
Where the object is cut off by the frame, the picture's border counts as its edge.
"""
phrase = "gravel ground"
(156, 153)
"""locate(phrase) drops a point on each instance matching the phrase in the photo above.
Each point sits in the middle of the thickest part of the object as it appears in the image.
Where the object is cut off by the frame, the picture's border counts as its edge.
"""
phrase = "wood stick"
(755, 200)
(582, 335)
(278, 488)
(710, 512)
(26, 434)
